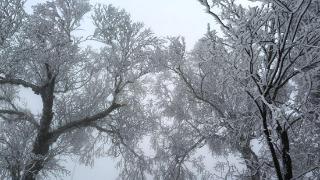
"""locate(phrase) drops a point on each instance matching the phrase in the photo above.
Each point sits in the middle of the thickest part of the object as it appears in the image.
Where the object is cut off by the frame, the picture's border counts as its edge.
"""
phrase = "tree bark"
(286, 158)
(264, 112)
(42, 142)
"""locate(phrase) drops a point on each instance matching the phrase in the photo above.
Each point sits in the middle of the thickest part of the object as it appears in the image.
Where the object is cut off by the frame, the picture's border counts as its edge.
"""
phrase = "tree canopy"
(249, 89)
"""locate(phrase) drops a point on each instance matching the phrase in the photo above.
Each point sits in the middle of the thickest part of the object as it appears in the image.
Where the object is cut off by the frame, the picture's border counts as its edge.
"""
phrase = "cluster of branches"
(255, 87)
(82, 91)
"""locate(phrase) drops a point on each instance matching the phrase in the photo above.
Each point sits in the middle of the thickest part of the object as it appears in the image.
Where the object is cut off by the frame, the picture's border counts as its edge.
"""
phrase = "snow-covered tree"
(276, 43)
(81, 90)
(254, 85)
(208, 101)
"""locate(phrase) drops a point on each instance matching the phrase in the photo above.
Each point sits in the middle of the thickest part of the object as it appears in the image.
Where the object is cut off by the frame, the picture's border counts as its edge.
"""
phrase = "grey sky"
(166, 18)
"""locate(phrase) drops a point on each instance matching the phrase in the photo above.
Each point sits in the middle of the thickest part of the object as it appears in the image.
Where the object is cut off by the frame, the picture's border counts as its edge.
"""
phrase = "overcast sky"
(166, 18)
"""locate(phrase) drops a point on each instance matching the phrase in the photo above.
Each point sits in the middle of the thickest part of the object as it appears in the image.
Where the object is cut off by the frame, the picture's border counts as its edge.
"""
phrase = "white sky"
(166, 18)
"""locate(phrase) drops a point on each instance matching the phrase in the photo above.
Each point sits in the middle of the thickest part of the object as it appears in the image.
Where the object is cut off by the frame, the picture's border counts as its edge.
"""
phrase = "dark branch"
(87, 121)
(35, 89)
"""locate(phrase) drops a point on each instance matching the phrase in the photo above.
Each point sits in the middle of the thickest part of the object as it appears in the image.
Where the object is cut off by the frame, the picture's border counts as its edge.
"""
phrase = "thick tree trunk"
(285, 150)
(43, 140)
(36, 165)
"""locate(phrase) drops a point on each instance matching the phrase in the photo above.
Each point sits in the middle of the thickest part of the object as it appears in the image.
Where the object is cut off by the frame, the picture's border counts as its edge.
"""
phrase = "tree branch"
(87, 121)
(206, 4)
(304, 173)
(20, 114)
(36, 89)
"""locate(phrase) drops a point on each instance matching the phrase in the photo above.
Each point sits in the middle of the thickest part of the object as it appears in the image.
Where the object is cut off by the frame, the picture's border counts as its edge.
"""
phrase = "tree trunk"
(251, 160)
(43, 140)
(264, 112)
(36, 165)
(285, 150)
(15, 172)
